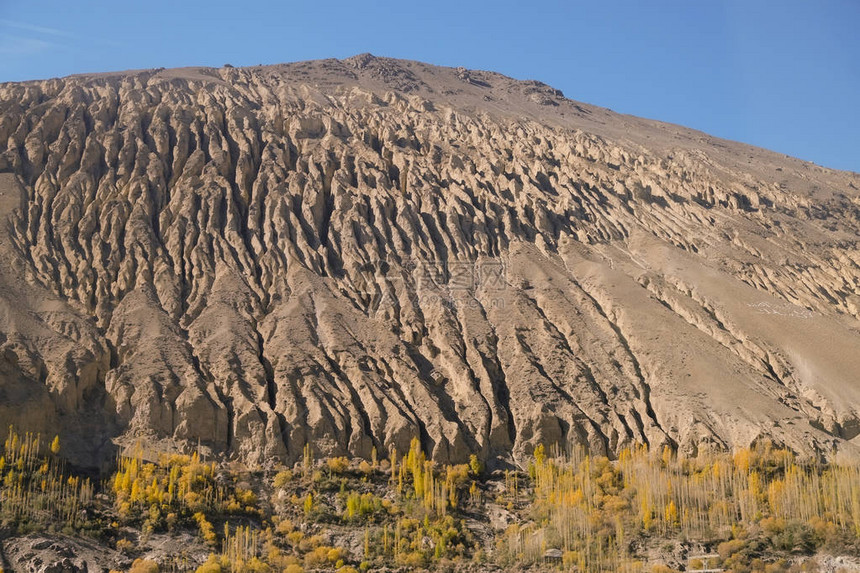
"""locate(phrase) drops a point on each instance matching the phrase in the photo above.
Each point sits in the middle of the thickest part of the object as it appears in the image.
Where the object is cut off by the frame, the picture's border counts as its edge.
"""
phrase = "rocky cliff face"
(352, 253)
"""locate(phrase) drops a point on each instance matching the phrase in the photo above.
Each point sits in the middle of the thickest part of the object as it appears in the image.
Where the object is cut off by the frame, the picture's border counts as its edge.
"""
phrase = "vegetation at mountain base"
(759, 509)
(37, 490)
(754, 508)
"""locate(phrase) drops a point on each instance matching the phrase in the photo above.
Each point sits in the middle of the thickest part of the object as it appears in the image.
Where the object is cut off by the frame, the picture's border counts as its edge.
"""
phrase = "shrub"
(729, 548)
(317, 558)
(413, 559)
(246, 497)
(284, 527)
(334, 555)
(295, 538)
(797, 537)
(458, 475)
(143, 566)
(283, 478)
(210, 566)
(254, 565)
(309, 543)
(338, 465)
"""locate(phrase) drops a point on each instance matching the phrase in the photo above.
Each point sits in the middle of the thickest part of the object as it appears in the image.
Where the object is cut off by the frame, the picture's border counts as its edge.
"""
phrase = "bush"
(211, 566)
(334, 555)
(458, 475)
(729, 548)
(285, 526)
(338, 465)
(144, 566)
(796, 537)
(413, 559)
(317, 558)
(254, 565)
(283, 478)
(322, 556)
(294, 538)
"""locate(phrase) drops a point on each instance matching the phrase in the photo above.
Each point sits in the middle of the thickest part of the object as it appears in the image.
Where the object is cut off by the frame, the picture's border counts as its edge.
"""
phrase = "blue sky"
(782, 74)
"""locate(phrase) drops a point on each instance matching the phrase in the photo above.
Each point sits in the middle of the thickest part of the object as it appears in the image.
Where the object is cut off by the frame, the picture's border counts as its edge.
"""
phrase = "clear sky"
(782, 74)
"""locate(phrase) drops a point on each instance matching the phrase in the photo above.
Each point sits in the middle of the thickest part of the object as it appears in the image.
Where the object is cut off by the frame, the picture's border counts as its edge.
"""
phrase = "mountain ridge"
(352, 253)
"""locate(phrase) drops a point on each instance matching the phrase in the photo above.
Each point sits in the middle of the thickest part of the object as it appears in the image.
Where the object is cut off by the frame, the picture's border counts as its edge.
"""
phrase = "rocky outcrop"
(352, 253)
(56, 554)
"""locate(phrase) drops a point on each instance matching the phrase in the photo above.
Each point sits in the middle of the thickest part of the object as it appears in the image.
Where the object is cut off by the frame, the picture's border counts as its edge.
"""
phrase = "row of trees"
(36, 491)
(596, 510)
(599, 513)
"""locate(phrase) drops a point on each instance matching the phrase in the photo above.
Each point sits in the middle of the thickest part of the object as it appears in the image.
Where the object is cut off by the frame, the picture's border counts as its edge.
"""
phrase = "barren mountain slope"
(352, 253)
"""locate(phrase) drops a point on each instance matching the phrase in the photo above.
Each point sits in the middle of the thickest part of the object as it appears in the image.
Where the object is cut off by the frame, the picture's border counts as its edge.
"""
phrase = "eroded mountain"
(352, 253)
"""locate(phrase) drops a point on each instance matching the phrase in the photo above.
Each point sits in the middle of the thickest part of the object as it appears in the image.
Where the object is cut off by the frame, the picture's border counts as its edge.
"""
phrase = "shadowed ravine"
(352, 253)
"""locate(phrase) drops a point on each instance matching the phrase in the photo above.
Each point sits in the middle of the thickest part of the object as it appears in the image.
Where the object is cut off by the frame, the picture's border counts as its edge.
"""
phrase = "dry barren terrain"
(353, 253)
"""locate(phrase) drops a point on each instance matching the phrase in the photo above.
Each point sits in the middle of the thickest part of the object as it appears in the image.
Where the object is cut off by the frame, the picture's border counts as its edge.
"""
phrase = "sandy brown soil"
(351, 253)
